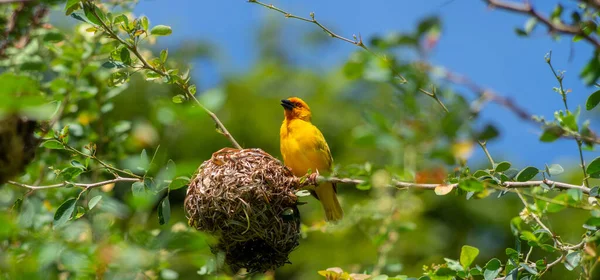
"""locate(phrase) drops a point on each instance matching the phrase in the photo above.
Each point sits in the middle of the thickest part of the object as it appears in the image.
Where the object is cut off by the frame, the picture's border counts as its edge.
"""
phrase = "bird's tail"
(327, 195)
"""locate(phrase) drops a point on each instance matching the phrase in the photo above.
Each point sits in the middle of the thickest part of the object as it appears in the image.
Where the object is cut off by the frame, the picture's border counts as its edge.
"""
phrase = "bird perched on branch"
(304, 148)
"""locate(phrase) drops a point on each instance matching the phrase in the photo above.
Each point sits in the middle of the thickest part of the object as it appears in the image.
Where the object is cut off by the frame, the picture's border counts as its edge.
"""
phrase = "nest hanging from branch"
(17, 146)
(247, 199)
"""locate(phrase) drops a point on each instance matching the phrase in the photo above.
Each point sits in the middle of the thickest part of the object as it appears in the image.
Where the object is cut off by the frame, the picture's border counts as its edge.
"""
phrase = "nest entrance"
(246, 198)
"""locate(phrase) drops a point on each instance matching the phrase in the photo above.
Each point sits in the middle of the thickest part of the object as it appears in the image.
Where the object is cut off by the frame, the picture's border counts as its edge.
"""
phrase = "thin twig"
(552, 25)
(357, 41)
(184, 87)
(81, 185)
(410, 185)
(563, 93)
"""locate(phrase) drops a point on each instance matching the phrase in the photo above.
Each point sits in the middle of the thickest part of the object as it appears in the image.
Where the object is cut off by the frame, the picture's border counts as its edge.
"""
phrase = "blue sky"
(477, 41)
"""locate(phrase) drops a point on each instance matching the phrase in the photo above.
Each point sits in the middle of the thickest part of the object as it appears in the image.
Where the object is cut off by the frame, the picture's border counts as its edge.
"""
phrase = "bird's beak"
(288, 105)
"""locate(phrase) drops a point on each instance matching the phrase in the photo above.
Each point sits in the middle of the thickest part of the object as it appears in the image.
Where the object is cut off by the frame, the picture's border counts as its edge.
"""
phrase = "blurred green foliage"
(104, 113)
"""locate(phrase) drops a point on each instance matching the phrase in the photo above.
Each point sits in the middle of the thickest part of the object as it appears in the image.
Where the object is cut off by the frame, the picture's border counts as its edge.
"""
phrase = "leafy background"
(377, 129)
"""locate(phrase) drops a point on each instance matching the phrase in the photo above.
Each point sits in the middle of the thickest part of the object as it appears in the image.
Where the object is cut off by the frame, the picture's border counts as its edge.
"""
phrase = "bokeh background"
(244, 59)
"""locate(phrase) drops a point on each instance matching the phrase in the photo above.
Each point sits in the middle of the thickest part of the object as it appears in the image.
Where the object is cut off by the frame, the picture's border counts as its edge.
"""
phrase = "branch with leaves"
(554, 24)
(357, 41)
(157, 67)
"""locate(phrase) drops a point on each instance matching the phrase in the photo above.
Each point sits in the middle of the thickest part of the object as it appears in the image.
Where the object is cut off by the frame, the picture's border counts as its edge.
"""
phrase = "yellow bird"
(304, 148)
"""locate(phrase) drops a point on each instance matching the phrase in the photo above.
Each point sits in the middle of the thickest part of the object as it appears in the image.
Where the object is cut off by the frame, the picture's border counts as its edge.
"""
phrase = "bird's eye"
(297, 104)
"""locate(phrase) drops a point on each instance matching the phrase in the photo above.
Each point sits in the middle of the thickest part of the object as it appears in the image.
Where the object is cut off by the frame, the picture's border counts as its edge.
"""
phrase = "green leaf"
(164, 211)
(161, 30)
(527, 174)
(125, 56)
(481, 173)
(468, 255)
(178, 98)
(144, 161)
(163, 55)
(454, 265)
(64, 212)
(551, 133)
(593, 100)
(492, 269)
(529, 269)
(471, 185)
(503, 166)
(364, 186)
(145, 23)
(77, 164)
(572, 260)
(179, 182)
(71, 6)
(593, 221)
(138, 189)
(528, 236)
(94, 14)
(53, 144)
(54, 37)
(489, 132)
(593, 168)
(94, 201)
(70, 173)
(555, 169)
(595, 191)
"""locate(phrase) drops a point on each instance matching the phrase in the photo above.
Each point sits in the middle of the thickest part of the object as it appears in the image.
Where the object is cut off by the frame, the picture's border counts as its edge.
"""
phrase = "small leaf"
(94, 201)
(528, 236)
(54, 37)
(144, 161)
(454, 265)
(592, 100)
(77, 164)
(178, 98)
(179, 182)
(555, 169)
(572, 260)
(443, 189)
(53, 144)
(492, 269)
(94, 14)
(161, 30)
(471, 185)
(503, 166)
(527, 174)
(125, 56)
(551, 133)
(593, 168)
(595, 191)
(109, 65)
(468, 255)
(71, 6)
(163, 55)
(64, 212)
(529, 269)
(364, 186)
(145, 23)
(164, 211)
(138, 189)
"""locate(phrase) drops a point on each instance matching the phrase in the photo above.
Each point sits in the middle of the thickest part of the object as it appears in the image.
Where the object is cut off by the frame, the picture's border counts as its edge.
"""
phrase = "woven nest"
(246, 198)
(17, 146)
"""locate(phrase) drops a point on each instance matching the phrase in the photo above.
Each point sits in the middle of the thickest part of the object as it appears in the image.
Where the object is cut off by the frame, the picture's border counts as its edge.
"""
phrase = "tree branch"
(357, 42)
(81, 185)
(184, 87)
(553, 26)
(316, 180)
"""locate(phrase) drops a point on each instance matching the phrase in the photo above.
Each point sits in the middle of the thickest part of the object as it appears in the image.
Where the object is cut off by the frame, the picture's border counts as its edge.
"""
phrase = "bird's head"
(295, 108)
